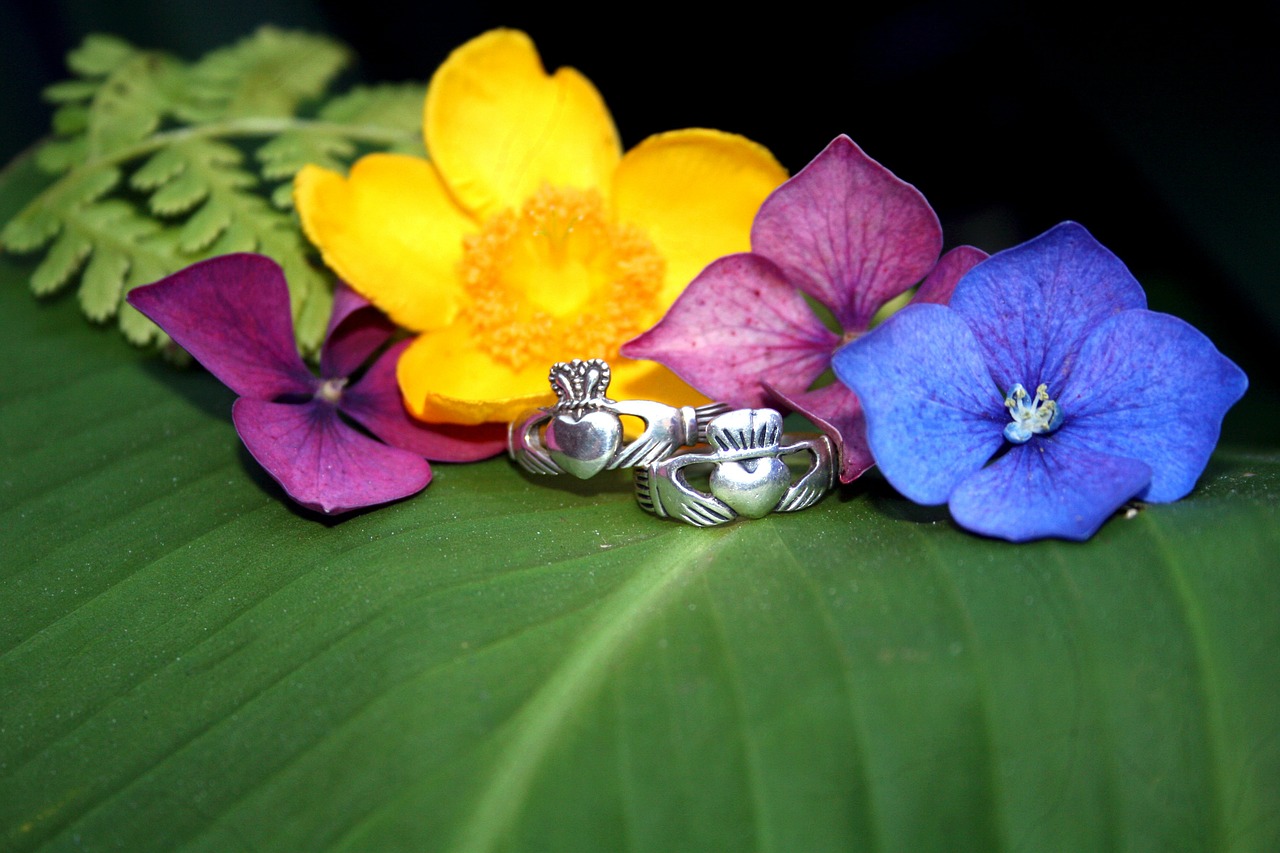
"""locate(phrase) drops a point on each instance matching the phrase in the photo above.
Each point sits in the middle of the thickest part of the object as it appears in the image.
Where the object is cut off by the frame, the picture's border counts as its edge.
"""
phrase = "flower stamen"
(330, 390)
(559, 278)
(1038, 416)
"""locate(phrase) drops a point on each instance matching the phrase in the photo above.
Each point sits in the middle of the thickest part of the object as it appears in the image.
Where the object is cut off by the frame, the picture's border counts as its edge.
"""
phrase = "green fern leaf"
(65, 258)
(198, 233)
(30, 229)
(41, 220)
(391, 114)
(283, 156)
(397, 106)
(99, 55)
(237, 237)
(131, 103)
(160, 168)
(102, 285)
(68, 91)
(267, 74)
(210, 174)
(71, 119)
(59, 155)
(180, 193)
(152, 174)
(121, 236)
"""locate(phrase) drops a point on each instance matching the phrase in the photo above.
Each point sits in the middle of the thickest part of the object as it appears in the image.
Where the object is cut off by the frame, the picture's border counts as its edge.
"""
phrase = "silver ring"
(749, 475)
(582, 433)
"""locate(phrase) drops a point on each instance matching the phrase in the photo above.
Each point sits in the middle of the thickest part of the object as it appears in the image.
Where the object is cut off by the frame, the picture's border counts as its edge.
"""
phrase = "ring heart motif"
(752, 487)
(585, 444)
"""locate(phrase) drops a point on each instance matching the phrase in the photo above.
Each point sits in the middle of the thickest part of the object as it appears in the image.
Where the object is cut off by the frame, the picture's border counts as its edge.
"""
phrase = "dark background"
(1160, 134)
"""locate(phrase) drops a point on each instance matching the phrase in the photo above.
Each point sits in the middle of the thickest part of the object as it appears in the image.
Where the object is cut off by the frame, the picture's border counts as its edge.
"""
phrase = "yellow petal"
(648, 380)
(498, 127)
(445, 378)
(392, 232)
(694, 192)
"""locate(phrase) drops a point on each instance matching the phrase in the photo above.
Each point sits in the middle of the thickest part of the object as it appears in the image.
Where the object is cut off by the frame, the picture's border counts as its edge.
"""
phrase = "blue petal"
(933, 414)
(1151, 387)
(1046, 488)
(1032, 306)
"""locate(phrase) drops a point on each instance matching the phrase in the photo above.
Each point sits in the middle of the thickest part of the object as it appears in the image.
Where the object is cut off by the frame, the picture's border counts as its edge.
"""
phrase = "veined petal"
(498, 127)
(375, 402)
(694, 193)
(933, 414)
(232, 314)
(392, 232)
(1045, 488)
(943, 278)
(635, 379)
(322, 463)
(1151, 387)
(356, 330)
(837, 412)
(738, 323)
(1032, 306)
(446, 378)
(848, 232)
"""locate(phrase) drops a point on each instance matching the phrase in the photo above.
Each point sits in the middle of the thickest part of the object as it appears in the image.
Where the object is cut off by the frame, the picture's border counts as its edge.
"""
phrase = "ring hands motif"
(583, 432)
(747, 452)
(750, 476)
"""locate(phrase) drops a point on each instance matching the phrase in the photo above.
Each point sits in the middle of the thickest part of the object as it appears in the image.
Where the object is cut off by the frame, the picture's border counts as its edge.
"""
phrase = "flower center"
(558, 279)
(1031, 416)
(330, 390)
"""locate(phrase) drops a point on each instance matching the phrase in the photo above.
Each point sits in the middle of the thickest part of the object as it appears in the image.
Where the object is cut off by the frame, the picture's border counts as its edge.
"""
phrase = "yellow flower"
(529, 238)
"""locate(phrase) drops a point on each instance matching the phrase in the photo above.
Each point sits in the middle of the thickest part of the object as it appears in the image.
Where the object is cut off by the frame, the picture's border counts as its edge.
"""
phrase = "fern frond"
(334, 140)
(154, 169)
(99, 54)
(267, 74)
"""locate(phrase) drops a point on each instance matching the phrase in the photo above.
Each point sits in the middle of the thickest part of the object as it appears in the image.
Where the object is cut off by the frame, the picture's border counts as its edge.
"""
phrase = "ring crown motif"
(580, 384)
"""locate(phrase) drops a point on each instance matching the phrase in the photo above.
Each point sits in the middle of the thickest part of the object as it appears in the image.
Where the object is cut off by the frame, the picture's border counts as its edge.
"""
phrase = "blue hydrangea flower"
(1044, 396)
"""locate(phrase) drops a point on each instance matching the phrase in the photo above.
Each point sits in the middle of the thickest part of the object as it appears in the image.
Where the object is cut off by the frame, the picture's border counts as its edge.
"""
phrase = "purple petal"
(848, 233)
(1046, 488)
(356, 330)
(837, 412)
(1149, 386)
(1032, 306)
(942, 280)
(933, 415)
(740, 322)
(375, 402)
(323, 463)
(232, 314)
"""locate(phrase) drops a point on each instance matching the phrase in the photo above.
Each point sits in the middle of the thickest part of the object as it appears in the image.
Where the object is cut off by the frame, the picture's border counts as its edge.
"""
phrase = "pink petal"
(740, 322)
(232, 314)
(848, 233)
(323, 463)
(376, 403)
(950, 269)
(837, 412)
(356, 330)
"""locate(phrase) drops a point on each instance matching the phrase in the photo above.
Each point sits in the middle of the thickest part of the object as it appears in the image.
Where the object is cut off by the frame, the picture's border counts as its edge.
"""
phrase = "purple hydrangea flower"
(1044, 396)
(843, 231)
(231, 313)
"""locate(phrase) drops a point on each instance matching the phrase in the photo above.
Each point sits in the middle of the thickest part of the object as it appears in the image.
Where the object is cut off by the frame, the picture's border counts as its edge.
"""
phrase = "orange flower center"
(559, 279)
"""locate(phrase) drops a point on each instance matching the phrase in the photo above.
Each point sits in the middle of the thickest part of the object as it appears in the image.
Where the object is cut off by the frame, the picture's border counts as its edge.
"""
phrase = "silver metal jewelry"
(583, 432)
(749, 476)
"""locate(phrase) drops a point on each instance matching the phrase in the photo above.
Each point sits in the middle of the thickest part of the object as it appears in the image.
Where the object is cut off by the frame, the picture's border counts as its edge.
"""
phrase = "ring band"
(749, 478)
(582, 433)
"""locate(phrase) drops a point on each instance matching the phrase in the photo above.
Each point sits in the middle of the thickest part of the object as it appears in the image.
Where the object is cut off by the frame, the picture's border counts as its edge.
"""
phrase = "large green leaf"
(511, 663)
